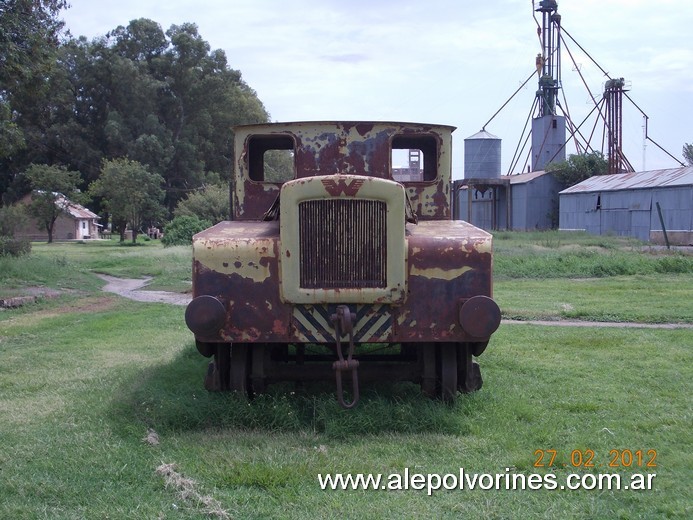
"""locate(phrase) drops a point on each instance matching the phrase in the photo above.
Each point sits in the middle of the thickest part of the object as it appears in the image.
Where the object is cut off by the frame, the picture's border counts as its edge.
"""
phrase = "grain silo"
(482, 191)
(482, 156)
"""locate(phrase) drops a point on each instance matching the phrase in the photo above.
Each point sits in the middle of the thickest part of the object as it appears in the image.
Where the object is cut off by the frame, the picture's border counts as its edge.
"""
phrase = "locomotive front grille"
(343, 243)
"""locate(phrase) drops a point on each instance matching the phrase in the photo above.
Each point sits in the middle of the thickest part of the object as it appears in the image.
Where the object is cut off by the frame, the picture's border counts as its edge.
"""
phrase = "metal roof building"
(627, 204)
(533, 202)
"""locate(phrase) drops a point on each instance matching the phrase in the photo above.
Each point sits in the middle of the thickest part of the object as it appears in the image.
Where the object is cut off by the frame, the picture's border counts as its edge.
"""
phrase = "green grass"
(72, 265)
(84, 378)
(79, 392)
(639, 298)
(555, 254)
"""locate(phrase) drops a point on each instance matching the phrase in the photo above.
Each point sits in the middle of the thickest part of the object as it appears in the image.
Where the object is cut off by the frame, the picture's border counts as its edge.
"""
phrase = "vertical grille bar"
(343, 243)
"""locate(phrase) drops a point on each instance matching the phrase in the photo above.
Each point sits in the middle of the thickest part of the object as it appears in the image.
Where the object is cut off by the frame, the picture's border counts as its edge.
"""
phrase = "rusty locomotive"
(338, 265)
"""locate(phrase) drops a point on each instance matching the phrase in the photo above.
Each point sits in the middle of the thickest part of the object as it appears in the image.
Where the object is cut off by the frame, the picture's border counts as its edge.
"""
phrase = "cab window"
(271, 158)
(414, 158)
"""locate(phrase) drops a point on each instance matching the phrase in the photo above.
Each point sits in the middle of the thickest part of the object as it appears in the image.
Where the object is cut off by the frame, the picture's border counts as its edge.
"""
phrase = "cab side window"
(414, 158)
(271, 158)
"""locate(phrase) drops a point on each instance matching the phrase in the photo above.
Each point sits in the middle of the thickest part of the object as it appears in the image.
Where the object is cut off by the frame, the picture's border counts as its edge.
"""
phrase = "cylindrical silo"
(482, 156)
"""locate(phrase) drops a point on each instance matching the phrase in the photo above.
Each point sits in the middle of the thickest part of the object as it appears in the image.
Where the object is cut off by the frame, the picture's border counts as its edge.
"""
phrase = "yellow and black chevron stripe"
(311, 323)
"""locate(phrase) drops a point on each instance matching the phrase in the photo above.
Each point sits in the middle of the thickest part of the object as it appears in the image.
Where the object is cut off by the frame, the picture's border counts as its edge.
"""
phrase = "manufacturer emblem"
(336, 188)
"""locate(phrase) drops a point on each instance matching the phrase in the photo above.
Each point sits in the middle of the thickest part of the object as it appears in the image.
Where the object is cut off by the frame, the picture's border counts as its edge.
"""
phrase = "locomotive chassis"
(318, 273)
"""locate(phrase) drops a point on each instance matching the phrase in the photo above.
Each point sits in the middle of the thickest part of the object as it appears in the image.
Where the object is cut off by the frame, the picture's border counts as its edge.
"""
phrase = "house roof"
(635, 180)
(522, 178)
(73, 209)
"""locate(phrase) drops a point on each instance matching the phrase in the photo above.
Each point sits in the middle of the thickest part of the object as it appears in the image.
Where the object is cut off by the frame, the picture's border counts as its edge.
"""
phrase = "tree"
(579, 167)
(29, 32)
(180, 230)
(688, 153)
(163, 99)
(54, 187)
(209, 203)
(130, 192)
(12, 217)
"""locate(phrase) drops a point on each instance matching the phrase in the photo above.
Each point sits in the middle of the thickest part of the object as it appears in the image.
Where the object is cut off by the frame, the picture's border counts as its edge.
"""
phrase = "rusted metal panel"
(359, 148)
(449, 262)
(345, 265)
(345, 235)
(237, 262)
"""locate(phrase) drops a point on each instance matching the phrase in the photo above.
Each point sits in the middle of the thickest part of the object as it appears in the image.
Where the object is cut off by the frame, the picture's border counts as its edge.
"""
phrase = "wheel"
(468, 370)
(448, 371)
(206, 349)
(239, 373)
(257, 371)
(217, 378)
(427, 357)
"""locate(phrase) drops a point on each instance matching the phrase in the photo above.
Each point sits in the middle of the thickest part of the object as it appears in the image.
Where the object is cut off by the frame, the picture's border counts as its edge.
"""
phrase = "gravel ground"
(132, 289)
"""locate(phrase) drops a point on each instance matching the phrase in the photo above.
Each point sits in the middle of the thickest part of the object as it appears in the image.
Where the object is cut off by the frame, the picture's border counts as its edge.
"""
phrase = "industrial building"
(630, 204)
(527, 201)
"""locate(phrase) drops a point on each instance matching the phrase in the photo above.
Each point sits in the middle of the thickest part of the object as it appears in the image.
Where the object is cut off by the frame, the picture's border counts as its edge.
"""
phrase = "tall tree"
(54, 187)
(160, 98)
(29, 31)
(688, 153)
(130, 192)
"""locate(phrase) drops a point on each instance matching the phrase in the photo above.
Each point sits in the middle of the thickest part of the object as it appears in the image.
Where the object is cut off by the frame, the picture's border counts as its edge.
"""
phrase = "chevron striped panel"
(311, 323)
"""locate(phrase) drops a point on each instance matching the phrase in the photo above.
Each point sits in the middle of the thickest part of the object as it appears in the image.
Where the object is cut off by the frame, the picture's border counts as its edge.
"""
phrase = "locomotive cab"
(333, 251)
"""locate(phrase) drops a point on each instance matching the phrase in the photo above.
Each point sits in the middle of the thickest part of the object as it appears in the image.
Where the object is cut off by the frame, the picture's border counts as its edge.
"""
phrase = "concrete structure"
(532, 202)
(74, 222)
(626, 205)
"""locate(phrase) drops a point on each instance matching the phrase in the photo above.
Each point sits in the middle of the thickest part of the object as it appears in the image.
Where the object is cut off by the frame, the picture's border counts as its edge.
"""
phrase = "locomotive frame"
(338, 255)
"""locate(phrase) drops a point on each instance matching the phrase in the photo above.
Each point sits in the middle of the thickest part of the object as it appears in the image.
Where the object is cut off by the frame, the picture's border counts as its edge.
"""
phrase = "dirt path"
(616, 324)
(130, 288)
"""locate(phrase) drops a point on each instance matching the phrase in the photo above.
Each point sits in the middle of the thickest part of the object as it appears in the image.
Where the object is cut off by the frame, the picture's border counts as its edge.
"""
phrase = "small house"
(74, 223)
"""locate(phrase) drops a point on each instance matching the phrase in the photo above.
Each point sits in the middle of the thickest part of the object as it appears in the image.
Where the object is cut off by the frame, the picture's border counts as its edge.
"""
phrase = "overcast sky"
(439, 61)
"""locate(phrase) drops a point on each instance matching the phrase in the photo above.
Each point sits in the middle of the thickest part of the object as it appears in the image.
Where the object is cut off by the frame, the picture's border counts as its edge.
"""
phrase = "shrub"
(11, 218)
(210, 203)
(10, 246)
(181, 230)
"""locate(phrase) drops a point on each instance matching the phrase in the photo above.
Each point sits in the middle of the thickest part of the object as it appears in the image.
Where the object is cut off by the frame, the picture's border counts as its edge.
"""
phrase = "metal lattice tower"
(613, 97)
(548, 128)
(549, 61)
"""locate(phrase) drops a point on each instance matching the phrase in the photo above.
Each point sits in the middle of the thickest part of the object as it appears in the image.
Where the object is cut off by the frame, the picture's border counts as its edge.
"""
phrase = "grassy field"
(103, 414)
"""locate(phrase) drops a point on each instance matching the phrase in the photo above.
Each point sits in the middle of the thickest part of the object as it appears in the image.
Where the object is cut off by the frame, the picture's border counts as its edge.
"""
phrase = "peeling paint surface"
(357, 148)
(252, 266)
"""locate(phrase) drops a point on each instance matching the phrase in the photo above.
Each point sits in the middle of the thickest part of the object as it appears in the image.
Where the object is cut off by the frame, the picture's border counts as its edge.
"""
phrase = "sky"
(453, 62)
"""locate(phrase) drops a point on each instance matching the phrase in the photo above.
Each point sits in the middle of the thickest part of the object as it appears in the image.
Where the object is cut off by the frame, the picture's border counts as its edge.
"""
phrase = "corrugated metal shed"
(635, 180)
(626, 204)
(533, 203)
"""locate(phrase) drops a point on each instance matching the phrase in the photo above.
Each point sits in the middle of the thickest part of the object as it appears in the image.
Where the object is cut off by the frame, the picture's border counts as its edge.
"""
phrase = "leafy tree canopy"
(54, 187)
(130, 192)
(579, 167)
(161, 98)
(29, 32)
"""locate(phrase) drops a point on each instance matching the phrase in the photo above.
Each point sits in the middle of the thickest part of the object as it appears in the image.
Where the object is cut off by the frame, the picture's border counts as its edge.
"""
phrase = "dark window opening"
(271, 158)
(554, 123)
(599, 202)
(414, 158)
